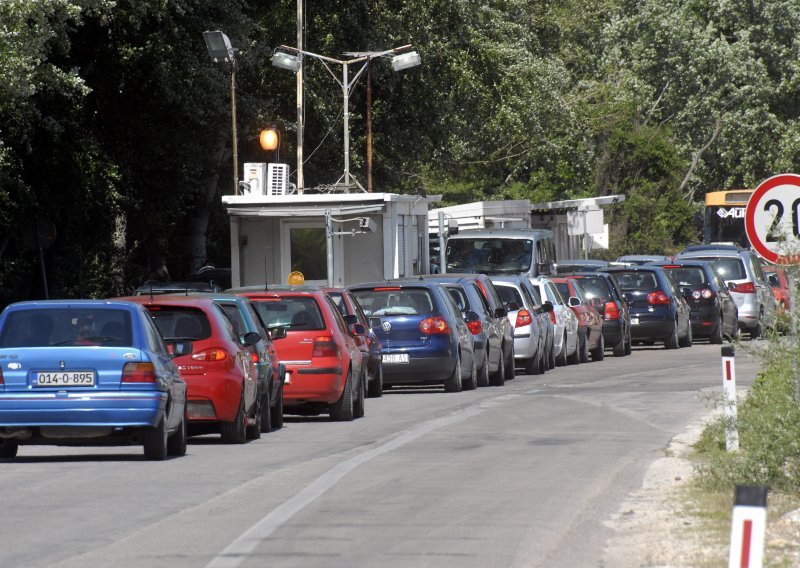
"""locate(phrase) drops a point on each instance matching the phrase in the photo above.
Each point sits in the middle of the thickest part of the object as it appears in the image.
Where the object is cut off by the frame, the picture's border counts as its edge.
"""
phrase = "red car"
(776, 276)
(590, 322)
(220, 375)
(326, 371)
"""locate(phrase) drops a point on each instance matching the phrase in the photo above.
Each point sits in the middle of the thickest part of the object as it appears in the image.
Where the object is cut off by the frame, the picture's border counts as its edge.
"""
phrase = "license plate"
(64, 379)
(634, 321)
(395, 358)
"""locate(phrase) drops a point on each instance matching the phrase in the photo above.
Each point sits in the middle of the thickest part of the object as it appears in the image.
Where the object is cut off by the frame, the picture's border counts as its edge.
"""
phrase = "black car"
(485, 301)
(713, 311)
(657, 307)
(604, 294)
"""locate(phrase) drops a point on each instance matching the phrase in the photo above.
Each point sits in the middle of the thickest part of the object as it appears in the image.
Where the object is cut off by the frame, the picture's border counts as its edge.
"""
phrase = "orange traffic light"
(269, 139)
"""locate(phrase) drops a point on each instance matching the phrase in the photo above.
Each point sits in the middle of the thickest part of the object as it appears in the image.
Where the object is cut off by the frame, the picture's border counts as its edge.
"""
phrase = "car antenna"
(151, 292)
(266, 286)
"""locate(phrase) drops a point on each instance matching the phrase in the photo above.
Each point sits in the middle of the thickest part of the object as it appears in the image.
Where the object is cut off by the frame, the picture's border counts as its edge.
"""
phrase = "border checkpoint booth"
(334, 239)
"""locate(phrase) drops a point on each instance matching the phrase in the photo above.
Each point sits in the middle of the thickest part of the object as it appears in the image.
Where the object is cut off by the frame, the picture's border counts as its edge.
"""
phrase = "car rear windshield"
(295, 313)
(459, 297)
(688, 276)
(495, 255)
(181, 322)
(509, 294)
(68, 326)
(596, 287)
(643, 281)
(391, 301)
(729, 268)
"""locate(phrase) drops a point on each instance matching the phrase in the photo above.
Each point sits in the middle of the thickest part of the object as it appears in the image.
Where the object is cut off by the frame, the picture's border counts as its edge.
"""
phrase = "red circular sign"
(772, 219)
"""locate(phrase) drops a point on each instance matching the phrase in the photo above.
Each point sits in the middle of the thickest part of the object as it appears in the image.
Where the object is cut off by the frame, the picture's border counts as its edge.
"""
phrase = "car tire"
(253, 431)
(361, 395)
(687, 340)
(375, 388)
(483, 375)
(599, 352)
(561, 359)
(266, 413)
(276, 414)
(620, 347)
(176, 444)
(235, 432)
(453, 382)
(716, 337)
(472, 384)
(629, 345)
(758, 330)
(551, 357)
(542, 363)
(499, 377)
(671, 341)
(584, 349)
(8, 449)
(342, 409)
(533, 366)
(155, 441)
(510, 365)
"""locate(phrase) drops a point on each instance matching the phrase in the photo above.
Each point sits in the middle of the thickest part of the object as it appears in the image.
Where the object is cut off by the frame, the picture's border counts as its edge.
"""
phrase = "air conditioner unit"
(255, 178)
(277, 179)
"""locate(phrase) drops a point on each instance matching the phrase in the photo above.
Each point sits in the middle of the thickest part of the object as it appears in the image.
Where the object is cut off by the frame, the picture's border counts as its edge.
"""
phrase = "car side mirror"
(731, 286)
(512, 306)
(179, 348)
(574, 301)
(545, 308)
(470, 316)
(277, 332)
(501, 312)
(374, 322)
(350, 319)
(358, 330)
(251, 338)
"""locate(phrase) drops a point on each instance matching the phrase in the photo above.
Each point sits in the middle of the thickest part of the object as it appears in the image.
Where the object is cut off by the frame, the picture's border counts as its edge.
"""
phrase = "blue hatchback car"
(424, 338)
(89, 372)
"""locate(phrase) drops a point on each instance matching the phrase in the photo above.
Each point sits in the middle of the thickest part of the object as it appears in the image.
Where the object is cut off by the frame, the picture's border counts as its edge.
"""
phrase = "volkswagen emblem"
(62, 364)
(386, 326)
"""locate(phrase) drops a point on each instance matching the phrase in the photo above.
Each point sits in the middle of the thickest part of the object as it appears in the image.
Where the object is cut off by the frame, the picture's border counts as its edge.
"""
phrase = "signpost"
(772, 219)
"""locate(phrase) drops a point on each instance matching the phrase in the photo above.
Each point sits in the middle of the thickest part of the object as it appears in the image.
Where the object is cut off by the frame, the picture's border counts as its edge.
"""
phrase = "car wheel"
(499, 377)
(176, 444)
(551, 357)
(235, 432)
(510, 366)
(361, 394)
(629, 345)
(155, 441)
(8, 449)
(375, 388)
(716, 337)
(756, 332)
(671, 341)
(453, 382)
(342, 409)
(473, 376)
(584, 348)
(253, 431)
(266, 413)
(532, 365)
(599, 352)
(687, 340)
(483, 375)
(561, 359)
(276, 414)
(542, 363)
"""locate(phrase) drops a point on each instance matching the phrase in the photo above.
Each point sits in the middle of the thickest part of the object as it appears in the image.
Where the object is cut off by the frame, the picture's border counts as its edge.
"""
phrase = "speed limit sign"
(771, 219)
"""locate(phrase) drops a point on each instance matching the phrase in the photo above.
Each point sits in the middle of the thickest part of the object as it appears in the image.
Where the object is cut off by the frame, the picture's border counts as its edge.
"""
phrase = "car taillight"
(139, 373)
(657, 297)
(434, 325)
(553, 317)
(211, 355)
(474, 327)
(254, 357)
(705, 293)
(325, 346)
(745, 288)
(611, 311)
(2, 382)
(523, 318)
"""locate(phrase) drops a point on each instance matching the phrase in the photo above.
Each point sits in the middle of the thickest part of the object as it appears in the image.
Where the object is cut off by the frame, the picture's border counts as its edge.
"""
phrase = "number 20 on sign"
(772, 219)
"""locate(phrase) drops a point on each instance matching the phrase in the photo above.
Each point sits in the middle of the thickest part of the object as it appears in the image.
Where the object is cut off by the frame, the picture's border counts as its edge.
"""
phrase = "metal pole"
(300, 180)
(234, 144)
(329, 244)
(41, 257)
(442, 263)
(369, 127)
(346, 113)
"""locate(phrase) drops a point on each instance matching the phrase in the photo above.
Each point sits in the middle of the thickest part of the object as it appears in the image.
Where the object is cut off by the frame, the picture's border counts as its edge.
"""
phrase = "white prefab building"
(332, 239)
(483, 215)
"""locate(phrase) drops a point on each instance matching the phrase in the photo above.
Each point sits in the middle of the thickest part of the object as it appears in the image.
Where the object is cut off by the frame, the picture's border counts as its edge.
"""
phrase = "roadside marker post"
(748, 527)
(729, 388)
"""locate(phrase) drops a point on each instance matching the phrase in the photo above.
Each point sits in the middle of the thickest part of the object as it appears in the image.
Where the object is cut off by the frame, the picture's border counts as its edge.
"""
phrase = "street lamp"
(291, 62)
(219, 47)
(270, 141)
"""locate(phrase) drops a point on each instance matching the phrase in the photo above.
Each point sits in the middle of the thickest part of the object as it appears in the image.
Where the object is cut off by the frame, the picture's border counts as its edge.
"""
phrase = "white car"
(565, 339)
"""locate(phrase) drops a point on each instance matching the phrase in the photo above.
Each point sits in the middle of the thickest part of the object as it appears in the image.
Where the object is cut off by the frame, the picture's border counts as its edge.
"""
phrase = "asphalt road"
(520, 475)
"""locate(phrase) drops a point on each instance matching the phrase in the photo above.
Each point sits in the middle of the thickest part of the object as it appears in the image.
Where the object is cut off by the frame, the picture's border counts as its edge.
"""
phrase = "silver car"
(530, 336)
(565, 339)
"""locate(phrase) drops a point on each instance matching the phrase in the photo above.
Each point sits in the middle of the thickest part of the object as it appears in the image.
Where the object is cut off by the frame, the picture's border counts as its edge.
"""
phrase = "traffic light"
(270, 141)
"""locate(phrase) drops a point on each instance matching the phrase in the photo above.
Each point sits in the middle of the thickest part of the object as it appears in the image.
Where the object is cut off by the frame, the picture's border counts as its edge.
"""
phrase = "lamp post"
(402, 59)
(219, 47)
(270, 141)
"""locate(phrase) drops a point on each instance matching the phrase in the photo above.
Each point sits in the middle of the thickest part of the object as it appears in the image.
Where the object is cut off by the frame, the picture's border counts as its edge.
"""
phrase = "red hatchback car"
(220, 375)
(590, 322)
(326, 370)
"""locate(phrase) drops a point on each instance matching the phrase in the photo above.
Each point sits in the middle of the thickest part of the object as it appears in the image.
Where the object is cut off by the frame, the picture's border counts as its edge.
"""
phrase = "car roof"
(162, 299)
(404, 282)
(712, 246)
(118, 303)
(714, 253)
(635, 268)
(502, 233)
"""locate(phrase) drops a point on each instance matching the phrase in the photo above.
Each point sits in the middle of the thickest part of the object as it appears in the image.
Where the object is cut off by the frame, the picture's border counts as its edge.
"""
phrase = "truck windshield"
(495, 255)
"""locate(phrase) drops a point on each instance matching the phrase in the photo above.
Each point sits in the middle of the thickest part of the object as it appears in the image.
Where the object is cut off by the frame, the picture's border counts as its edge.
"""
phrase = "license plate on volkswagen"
(634, 321)
(395, 358)
(64, 379)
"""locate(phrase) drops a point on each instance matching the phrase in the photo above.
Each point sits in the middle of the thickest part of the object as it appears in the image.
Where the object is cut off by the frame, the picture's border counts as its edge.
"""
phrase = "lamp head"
(286, 61)
(406, 61)
(219, 46)
(269, 139)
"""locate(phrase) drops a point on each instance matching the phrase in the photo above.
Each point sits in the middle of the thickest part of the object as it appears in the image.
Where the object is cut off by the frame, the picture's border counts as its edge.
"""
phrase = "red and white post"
(729, 389)
(748, 527)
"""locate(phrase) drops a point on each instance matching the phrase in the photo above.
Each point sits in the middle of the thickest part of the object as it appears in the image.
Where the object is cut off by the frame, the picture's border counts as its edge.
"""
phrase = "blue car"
(658, 310)
(89, 372)
(424, 338)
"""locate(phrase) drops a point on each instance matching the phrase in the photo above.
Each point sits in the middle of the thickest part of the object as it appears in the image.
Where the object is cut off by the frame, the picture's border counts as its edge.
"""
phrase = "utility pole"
(300, 118)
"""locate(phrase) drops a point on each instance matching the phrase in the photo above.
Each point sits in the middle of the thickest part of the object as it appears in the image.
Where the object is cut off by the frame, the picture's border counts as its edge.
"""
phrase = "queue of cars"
(155, 368)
